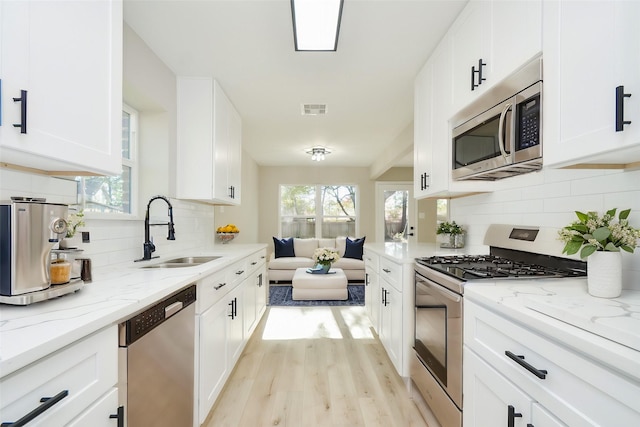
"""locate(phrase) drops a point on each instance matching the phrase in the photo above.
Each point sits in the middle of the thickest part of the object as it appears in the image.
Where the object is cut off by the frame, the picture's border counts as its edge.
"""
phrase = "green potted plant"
(74, 221)
(600, 238)
(451, 235)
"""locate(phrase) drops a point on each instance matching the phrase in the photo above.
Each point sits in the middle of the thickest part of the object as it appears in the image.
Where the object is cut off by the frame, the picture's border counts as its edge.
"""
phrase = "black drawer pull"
(219, 285)
(386, 270)
(239, 272)
(512, 415)
(23, 111)
(620, 96)
(47, 402)
(119, 416)
(540, 373)
(254, 262)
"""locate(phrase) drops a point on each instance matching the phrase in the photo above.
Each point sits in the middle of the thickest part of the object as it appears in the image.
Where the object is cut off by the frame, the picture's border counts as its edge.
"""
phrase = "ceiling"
(248, 47)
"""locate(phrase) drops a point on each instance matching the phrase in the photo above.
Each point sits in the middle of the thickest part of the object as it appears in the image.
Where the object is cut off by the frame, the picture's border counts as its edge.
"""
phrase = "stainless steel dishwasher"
(156, 363)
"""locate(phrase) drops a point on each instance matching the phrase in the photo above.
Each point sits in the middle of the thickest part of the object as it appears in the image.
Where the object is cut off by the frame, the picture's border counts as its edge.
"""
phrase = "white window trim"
(318, 200)
(133, 163)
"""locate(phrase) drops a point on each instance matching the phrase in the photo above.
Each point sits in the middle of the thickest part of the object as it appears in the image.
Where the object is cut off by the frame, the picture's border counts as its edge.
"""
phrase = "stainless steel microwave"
(500, 135)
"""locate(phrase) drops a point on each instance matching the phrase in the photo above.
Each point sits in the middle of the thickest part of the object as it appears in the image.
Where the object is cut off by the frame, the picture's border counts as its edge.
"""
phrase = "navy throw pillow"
(283, 247)
(354, 248)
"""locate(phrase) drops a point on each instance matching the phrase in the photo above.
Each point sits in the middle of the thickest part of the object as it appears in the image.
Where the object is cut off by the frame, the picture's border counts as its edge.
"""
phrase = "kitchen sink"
(183, 262)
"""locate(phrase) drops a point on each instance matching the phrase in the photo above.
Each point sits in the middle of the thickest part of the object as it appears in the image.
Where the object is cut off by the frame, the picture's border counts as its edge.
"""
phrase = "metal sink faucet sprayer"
(148, 245)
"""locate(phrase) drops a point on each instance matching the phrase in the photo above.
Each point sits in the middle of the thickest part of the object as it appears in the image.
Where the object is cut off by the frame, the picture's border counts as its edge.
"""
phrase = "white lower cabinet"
(78, 381)
(372, 296)
(213, 367)
(511, 370)
(391, 323)
(230, 305)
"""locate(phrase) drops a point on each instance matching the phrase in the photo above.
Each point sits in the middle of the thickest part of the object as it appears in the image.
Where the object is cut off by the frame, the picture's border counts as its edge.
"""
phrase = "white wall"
(550, 198)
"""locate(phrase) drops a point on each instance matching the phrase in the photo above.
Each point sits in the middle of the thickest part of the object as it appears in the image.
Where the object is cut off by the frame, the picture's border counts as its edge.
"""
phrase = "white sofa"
(282, 269)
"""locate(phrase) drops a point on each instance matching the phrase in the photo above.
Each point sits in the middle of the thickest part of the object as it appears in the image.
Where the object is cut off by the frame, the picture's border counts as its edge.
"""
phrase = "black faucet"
(148, 245)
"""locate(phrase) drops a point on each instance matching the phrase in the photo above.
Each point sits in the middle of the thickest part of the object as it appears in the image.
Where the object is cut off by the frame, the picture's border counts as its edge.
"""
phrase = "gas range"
(472, 267)
(515, 252)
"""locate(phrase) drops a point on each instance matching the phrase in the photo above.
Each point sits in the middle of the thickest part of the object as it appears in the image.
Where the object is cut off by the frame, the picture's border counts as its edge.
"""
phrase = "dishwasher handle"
(172, 309)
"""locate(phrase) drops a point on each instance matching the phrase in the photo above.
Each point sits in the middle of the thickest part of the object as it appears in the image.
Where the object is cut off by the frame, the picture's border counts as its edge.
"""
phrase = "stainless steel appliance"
(156, 363)
(29, 228)
(500, 135)
(515, 253)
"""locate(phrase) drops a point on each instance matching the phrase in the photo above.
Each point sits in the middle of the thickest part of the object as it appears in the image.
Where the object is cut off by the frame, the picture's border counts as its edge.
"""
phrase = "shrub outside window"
(114, 194)
(318, 211)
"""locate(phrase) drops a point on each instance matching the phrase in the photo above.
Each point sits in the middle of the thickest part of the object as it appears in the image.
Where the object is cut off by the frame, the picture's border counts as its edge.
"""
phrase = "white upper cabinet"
(65, 58)
(590, 49)
(490, 40)
(433, 102)
(209, 145)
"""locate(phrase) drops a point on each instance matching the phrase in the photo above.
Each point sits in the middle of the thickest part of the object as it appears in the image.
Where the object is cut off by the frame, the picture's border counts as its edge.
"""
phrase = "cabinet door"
(489, 398)
(221, 128)
(372, 297)
(214, 366)
(470, 43)
(591, 52)
(235, 311)
(423, 101)
(234, 156)
(391, 323)
(249, 301)
(99, 414)
(515, 40)
(67, 56)
(261, 293)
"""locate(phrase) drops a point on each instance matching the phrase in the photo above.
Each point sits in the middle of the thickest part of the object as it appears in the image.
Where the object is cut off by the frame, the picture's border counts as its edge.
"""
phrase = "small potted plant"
(74, 221)
(451, 235)
(600, 238)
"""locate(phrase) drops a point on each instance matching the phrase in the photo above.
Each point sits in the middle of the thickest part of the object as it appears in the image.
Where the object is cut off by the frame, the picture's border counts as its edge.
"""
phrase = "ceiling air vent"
(314, 109)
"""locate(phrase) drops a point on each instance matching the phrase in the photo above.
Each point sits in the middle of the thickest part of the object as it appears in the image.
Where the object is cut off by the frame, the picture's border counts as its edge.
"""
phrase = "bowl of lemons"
(227, 233)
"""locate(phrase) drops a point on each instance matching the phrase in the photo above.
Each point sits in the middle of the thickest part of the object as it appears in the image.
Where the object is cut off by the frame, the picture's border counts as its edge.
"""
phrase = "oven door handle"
(452, 296)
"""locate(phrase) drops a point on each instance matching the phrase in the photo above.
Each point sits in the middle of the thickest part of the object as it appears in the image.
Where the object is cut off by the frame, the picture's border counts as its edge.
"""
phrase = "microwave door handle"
(501, 122)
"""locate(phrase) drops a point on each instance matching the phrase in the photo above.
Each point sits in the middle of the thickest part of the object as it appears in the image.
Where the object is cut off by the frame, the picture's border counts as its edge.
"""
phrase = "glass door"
(395, 213)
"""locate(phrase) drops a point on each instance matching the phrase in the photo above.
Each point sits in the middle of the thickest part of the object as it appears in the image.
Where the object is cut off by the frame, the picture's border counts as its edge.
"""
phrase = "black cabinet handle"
(235, 307)
(383, 297)
(366, 279)
(219, 285)
(254, 262)
(47, 402)
(232, 315)
(530, 425)
(479, 72)
(23, 111)
(386, 270)
(512, 415)
(540, 373)
(620, 96)
(119, 415)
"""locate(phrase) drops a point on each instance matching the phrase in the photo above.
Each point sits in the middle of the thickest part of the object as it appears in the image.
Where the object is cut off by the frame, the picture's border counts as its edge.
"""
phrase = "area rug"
(281, 296)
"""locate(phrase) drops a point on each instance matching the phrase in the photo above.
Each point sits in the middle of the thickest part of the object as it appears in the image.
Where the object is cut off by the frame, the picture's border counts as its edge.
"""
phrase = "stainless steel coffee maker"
(29, 228)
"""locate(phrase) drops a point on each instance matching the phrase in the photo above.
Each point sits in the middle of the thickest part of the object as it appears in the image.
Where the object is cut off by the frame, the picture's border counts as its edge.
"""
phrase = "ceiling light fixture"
(316, 24)
(318, 153)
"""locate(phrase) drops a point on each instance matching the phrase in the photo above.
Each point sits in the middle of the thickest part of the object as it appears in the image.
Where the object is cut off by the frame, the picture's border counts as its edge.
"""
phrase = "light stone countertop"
(28, 333)
(407, 252)
(608, 330)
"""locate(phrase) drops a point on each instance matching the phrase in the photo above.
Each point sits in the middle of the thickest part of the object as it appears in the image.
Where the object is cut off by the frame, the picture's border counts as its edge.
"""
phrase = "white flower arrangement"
(74, 220)
(324, 256)
(592, 233)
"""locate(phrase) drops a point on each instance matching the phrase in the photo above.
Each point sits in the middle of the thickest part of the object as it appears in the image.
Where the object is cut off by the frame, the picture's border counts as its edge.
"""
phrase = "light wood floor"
(314, 366)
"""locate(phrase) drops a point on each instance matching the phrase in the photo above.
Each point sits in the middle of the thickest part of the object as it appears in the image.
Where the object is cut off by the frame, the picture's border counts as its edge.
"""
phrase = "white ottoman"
(332, 286)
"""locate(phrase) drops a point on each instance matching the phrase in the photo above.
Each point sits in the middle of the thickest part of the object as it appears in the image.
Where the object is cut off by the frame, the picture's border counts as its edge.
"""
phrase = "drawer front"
(87, 370)
(371, 260)
(210, 290)
(237, 273)
(391, 272)
(574, 388)
(255, 261)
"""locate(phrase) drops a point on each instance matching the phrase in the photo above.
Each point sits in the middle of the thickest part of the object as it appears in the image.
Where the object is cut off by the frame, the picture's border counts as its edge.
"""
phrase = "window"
(308, 211)
(114, 194)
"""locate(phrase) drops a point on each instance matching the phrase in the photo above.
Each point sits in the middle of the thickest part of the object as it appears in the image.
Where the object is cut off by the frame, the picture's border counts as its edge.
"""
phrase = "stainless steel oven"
(514, 253)
(438, 342)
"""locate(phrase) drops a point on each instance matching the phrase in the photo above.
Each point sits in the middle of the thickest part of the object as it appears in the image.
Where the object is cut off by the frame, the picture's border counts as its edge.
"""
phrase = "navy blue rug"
(281, 295)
